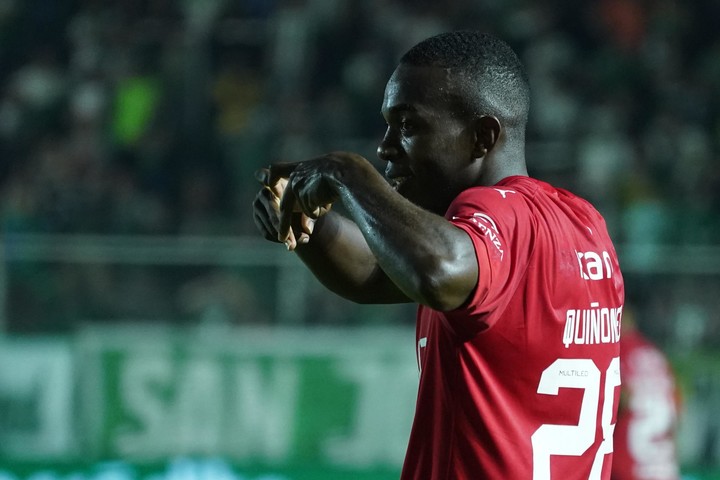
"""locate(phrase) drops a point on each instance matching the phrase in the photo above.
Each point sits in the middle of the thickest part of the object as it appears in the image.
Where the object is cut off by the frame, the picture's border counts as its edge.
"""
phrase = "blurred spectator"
(201, 198)
(137, 98)
(223, 298)
(624, 22)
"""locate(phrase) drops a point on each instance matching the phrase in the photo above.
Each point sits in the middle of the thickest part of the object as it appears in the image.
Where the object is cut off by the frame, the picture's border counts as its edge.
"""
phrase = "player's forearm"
(427, 257)
(340, 259)
(394, 245)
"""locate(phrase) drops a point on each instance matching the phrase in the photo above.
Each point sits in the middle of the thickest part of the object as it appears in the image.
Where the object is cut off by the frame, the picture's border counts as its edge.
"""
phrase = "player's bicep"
(463, 272)
(477, 264)
(485, 274)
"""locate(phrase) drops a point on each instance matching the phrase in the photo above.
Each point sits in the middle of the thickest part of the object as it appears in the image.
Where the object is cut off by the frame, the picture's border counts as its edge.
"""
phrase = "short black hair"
(489, 70)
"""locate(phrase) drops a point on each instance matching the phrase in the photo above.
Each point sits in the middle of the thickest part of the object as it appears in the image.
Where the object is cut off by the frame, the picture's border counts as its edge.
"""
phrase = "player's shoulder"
(550, 197)
(506, 193)
(505, 204)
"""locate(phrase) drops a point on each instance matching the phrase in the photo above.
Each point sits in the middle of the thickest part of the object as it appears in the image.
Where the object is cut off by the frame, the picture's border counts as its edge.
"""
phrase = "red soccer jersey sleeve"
(522, 381)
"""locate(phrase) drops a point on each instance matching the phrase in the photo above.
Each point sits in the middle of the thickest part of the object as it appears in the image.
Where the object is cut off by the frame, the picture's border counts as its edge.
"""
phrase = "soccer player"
(519, 289)
(645, 443)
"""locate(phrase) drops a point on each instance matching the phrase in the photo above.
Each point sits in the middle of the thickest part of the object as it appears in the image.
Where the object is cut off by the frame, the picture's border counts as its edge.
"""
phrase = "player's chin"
(410, 190)
(398, 184)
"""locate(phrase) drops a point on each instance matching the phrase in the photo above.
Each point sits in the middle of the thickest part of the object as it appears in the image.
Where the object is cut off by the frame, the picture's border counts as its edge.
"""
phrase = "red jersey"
(522, 381)
(645, 431)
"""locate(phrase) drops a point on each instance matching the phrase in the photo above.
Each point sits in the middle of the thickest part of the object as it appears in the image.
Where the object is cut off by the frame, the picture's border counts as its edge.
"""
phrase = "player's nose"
(388, 150)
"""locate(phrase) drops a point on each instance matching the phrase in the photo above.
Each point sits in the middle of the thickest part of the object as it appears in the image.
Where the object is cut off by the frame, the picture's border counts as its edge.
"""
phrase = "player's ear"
(487, 132)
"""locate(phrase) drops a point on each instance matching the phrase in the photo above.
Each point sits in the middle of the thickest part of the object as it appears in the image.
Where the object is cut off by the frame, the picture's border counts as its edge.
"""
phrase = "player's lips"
(397, 182)
(397, 174)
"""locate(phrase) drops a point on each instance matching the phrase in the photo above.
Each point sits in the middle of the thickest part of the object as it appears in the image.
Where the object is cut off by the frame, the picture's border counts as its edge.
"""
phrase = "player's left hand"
(266, 207)
(311, 189)
(267, 214)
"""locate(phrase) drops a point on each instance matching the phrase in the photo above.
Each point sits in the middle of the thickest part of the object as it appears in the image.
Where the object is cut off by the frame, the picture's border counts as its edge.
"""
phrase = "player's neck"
(508, 163)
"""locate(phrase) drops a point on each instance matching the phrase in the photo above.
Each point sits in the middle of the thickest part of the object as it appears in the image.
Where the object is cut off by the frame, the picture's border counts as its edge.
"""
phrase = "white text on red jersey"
(594, 266)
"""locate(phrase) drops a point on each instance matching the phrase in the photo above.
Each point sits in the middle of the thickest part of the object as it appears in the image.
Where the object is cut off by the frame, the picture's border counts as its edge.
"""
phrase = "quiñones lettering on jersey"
(592, 326)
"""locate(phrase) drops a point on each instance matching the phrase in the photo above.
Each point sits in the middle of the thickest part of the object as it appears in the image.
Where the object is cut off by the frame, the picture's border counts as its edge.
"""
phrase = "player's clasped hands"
(293, 196)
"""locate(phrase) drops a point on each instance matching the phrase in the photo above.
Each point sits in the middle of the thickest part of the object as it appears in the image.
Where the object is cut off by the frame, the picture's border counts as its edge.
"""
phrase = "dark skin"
(396, 246)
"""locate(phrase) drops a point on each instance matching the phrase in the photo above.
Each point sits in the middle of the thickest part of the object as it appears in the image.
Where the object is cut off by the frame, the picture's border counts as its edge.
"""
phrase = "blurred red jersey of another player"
(645, 444)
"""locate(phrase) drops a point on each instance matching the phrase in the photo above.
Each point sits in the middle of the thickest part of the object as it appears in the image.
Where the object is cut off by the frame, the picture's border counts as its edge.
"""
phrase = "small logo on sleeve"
(487, 226)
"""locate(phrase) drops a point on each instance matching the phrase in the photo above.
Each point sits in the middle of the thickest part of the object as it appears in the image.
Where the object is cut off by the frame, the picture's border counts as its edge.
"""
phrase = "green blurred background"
(146, 331)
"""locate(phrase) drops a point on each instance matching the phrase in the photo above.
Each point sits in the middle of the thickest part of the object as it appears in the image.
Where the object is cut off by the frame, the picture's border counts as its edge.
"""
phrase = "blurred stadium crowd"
(149, 116)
